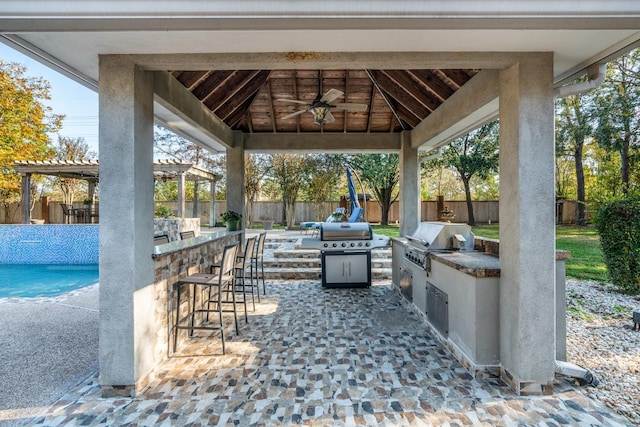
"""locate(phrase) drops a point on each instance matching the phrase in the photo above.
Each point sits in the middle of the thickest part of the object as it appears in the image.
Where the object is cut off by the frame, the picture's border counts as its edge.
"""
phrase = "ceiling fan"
(322, 104)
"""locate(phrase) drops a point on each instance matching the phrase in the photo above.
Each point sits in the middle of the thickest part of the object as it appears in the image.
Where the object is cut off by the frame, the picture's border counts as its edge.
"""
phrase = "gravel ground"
(600, 337)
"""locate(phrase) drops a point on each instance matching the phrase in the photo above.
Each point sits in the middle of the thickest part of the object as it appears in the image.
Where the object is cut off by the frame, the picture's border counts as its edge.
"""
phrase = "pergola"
(428, 71)
(89, 170)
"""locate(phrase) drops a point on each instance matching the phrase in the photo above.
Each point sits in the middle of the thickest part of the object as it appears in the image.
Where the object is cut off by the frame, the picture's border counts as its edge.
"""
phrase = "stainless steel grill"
(345, 252)
(341, 236)
(436, 237)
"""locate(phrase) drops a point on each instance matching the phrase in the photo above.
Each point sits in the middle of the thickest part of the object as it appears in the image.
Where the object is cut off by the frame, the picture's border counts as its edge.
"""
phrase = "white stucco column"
(235, 176)
(527, 226)
(409, 186)
(181, 196)
(126, 226)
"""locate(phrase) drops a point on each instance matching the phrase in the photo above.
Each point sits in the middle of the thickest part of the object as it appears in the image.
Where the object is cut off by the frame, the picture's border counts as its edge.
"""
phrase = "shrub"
(230, 216)
(161, 211)
(618, 224)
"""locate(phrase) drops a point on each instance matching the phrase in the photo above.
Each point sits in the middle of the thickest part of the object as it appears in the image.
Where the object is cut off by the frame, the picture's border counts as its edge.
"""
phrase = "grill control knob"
(326, 245)
(352, 244)
(367, 244)
(344, 244)
(335, 245)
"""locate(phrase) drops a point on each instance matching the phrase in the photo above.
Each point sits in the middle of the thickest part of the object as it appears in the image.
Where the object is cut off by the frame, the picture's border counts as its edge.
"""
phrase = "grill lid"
(330, 231)
(443, 236)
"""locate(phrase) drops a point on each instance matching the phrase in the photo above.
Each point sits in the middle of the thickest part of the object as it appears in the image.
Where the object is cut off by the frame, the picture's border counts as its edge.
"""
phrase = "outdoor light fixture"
(164, 177)
(319, 111)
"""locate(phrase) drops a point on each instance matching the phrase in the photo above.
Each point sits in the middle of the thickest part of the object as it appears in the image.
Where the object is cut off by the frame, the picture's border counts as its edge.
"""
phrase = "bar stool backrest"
(160, 239)
(187, 235)
(260, 246)
(228, 263)
(249, 248)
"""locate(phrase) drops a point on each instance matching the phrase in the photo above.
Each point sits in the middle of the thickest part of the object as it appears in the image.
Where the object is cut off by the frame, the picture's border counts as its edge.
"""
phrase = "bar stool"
(215, 283)
(258, 264)
(243, 266)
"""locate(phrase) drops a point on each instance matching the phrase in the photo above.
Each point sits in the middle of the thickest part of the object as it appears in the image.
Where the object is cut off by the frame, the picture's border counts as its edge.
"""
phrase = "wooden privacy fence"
(484, 211)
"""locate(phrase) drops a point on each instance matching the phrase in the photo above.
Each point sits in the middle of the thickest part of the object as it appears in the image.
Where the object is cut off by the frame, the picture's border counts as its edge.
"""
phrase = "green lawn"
(586, 262)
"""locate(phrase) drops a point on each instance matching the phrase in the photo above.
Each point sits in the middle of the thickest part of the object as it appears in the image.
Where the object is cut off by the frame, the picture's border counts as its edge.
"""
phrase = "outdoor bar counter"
(174, 261)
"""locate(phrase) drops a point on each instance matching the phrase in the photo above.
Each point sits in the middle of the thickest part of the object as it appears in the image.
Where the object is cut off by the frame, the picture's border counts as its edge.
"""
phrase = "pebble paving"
(313, 356)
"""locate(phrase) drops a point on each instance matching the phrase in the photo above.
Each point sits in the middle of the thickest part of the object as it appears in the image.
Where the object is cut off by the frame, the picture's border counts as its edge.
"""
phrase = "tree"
(323, 175)
(381, 173)
(25, 124)
(618, 121)
(255, 169)
(287, 174)
(473, 155)
(573, 127)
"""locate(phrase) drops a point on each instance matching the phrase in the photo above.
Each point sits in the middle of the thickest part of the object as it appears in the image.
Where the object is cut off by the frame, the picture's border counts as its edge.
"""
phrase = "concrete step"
(313, 253)
(292, 263)
(314, 273)
(285, 260)
(315, 263)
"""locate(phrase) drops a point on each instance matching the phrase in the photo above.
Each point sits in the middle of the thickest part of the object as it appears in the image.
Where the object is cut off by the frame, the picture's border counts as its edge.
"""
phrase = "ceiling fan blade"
(328, 118)
(294, 101)
(289, 116)
(331, 95)
(351, 107)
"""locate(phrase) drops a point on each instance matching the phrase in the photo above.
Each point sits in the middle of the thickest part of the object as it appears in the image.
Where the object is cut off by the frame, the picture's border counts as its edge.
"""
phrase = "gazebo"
(428, 72)
(89, 170)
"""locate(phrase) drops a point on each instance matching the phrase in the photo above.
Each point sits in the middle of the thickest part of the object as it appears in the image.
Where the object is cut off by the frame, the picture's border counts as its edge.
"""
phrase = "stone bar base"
(172, 262)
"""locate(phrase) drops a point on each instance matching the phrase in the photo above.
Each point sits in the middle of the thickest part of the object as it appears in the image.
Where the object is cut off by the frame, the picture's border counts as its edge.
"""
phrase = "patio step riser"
(283, 262)
(315, 274)
(315, 263)
(310, 253)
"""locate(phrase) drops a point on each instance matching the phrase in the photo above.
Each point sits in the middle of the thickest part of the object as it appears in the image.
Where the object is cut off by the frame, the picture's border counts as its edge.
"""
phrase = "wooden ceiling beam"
(229, 89)
(272, 112)
(248, 90)
(370, 108)
(239, 113)
(210, 83)
(407, 116)
(433, 82)
(190, 78)
(387, 100)
(414, 89)
(459, 77)
(401, 96)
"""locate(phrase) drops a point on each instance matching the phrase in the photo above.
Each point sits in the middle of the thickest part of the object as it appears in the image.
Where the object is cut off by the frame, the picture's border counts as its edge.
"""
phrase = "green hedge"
(618, 224)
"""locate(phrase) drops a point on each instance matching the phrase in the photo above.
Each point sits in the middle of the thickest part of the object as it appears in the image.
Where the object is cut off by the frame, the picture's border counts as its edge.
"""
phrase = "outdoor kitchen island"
(456, 291)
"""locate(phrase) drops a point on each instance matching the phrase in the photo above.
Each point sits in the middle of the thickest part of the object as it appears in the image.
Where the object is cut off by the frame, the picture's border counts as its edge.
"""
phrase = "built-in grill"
(436, 237)
(415, 282)
(345, 252)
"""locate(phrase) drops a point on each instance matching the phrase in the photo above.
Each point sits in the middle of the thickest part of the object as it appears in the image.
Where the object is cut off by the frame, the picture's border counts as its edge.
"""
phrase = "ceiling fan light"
(319, 113)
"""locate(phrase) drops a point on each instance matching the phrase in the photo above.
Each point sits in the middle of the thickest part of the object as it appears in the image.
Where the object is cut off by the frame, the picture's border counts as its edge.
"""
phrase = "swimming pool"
(44, 280)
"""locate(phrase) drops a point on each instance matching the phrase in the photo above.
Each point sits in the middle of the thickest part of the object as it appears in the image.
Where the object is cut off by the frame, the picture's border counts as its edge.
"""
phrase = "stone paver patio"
(315, 356)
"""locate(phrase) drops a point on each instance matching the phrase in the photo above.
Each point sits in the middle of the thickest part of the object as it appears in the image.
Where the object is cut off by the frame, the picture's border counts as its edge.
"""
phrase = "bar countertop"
(178, 245)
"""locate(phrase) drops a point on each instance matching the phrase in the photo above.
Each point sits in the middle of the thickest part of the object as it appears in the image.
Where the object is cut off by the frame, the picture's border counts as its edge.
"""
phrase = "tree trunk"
(624, 165)
(467, 195)
(384, 209)
(581, 219)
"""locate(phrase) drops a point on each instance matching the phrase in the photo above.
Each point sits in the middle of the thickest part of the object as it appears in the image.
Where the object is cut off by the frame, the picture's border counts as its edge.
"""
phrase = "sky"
(76, 102)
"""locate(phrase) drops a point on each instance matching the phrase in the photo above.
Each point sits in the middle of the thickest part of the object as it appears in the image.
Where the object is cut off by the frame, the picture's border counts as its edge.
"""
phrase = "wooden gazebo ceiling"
(248, 100)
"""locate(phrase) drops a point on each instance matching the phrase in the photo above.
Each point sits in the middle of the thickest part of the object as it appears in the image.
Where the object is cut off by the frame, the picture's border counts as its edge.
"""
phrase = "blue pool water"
(40, 280)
